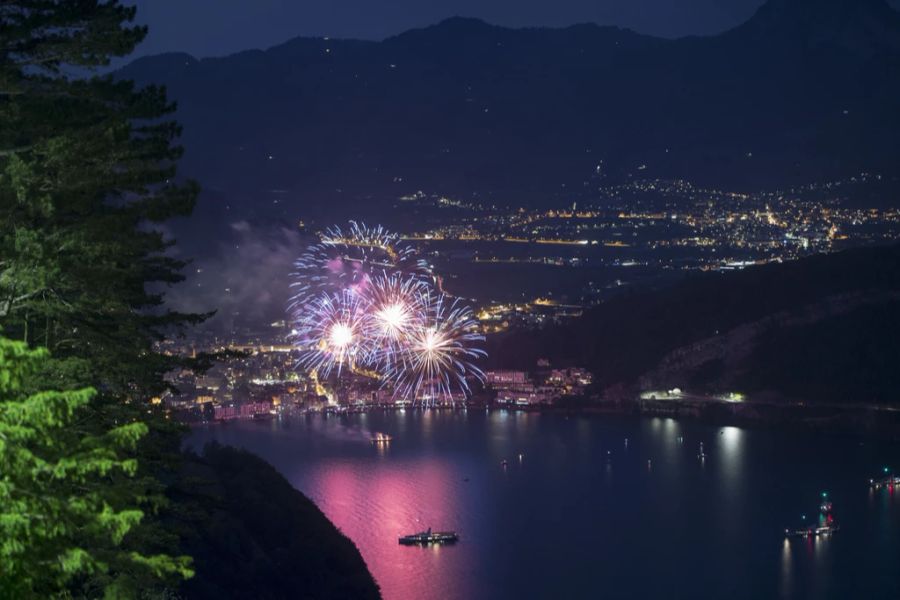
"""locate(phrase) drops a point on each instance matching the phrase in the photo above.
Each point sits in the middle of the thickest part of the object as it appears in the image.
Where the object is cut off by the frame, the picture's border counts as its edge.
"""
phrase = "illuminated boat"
(381, 438)
(424, 538)
(806, 532)
(825, 526)
(888, 480)
(893, 480)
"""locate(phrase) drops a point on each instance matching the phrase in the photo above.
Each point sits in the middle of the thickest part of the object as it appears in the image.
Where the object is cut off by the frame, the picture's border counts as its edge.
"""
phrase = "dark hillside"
(254, 536)
(853, 357)
(779, 305)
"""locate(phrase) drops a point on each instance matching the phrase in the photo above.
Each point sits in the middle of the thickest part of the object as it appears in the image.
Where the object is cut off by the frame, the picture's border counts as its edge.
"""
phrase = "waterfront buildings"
(543, 387)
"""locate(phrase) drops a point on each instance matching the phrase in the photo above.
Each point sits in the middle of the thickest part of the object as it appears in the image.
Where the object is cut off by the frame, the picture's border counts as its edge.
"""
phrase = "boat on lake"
(425, 538)
(824, 526)
(887, 480)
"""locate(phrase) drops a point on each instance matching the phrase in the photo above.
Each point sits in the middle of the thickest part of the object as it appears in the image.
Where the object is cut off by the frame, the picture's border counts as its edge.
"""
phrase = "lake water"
(597, 507)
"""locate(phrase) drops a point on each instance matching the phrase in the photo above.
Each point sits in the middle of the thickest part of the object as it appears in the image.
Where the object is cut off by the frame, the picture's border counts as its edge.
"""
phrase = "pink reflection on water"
(376, 503)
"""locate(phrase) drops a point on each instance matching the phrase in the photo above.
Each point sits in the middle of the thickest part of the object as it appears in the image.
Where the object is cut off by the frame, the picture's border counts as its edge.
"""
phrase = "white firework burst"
(435, 361)
(334, 332)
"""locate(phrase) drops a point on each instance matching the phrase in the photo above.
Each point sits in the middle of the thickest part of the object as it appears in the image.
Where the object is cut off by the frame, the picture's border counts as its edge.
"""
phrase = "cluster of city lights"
(364, 302)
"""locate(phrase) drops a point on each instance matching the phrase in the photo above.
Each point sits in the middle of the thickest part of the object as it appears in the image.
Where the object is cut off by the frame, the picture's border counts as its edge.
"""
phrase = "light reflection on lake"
(582, 513)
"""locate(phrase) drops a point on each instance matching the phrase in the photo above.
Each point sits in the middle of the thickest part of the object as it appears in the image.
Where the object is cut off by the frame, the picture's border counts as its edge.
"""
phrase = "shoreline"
(874, 423)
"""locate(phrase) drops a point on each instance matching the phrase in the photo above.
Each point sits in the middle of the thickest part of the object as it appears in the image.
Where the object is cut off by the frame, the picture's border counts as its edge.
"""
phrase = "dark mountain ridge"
(861, 26)
(802, 91)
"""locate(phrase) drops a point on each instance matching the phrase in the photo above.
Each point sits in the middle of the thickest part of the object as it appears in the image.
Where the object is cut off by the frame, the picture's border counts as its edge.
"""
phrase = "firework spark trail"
(352, 258)
(365, 301)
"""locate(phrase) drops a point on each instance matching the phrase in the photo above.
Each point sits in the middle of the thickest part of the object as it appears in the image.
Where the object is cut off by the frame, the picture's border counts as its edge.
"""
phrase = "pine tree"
(87, 166)
(60, 520)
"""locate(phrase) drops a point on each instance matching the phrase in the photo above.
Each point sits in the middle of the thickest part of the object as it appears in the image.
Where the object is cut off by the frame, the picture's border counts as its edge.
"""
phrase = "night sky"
(217, 27)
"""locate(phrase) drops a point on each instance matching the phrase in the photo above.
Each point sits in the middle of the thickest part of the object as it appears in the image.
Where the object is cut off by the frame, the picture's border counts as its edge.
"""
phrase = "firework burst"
(436, 358)
(335, 332)
(396, 310)
(364, 301)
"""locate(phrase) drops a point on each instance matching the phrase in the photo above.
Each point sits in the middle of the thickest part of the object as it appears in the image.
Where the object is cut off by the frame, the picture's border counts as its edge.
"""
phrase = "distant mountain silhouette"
(864, 27)
(805, 89)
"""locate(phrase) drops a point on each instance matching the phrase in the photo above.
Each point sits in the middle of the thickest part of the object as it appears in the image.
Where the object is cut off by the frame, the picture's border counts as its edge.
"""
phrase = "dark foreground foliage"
(88, 179)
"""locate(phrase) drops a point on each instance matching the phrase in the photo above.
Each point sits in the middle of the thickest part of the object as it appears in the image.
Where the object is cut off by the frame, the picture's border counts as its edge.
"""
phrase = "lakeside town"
(261, 380)
(257, 378)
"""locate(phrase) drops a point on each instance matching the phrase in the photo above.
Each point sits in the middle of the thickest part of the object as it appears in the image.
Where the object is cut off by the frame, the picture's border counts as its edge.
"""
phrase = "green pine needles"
(60, 519)
(87, 170)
